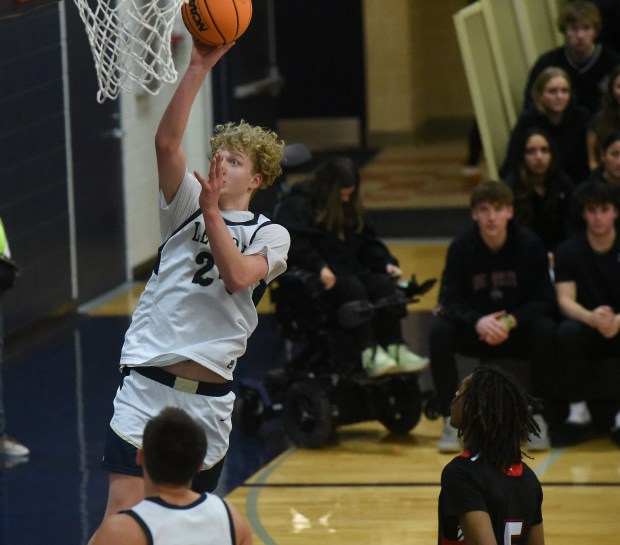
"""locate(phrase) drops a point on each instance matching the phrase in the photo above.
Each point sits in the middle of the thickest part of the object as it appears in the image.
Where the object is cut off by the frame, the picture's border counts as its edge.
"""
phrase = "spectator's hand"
(328, 278)
(605, 321)
(393, 271)
(491, 329)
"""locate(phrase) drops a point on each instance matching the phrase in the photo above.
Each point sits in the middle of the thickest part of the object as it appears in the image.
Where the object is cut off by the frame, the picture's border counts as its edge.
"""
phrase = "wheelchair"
(320, 387)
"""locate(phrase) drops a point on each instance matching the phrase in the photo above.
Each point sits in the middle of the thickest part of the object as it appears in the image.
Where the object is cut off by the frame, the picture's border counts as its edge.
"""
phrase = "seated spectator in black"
(586, 62)
(496, 300)
(541, 190)
(606, 121)
(330, 237)
(565, 122)
(608, 172)
(587, 282)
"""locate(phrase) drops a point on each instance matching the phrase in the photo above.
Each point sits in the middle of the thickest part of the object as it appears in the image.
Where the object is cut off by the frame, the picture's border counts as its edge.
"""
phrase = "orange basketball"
(217, 22)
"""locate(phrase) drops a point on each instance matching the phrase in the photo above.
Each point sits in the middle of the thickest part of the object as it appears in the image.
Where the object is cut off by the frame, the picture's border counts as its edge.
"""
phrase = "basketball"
(217, 22)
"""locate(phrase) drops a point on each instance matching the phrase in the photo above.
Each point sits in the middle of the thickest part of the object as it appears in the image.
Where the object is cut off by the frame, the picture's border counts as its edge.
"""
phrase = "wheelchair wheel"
(307, 415)
(399, 406)
(432, 410)
(248, 411)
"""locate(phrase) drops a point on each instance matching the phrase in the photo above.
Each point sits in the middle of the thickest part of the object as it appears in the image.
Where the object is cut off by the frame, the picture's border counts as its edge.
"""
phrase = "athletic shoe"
(408, 362)
(377, 363)
(9, 462)
(449, 440)
(10, 447)
(541, 442)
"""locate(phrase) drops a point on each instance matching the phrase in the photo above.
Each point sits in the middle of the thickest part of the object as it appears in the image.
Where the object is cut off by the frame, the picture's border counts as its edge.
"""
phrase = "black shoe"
(569, 434)
(615, 435)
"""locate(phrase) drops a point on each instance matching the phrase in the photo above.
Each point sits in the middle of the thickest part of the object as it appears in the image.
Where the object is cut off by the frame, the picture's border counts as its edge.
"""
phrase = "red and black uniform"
(511, 496)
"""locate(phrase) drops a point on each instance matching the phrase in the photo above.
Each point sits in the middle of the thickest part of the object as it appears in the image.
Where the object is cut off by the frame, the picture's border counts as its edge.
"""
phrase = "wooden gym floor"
(367, 487)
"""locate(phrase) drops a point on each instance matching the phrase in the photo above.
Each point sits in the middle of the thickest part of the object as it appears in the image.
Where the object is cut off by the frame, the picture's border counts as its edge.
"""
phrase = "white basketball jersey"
(185, 311)
(205, 522)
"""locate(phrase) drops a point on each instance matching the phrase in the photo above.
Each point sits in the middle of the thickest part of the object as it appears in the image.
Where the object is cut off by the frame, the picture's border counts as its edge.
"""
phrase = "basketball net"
(131, 44)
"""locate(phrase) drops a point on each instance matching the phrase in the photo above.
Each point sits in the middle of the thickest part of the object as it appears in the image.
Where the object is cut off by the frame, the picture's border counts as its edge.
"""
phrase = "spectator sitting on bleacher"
(586, 62)
(587, 277)
(541, 189)
(608, 172)
(496, 301)
(565, 122)
(606, 120)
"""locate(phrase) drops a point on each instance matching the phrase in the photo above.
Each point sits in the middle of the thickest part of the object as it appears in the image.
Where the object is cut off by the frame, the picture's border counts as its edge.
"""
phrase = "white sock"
(617, 424)
(578, 413)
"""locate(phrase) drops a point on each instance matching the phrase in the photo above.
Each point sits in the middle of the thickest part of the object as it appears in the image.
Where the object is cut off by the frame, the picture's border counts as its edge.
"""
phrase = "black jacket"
(477, 281)
(313, 246)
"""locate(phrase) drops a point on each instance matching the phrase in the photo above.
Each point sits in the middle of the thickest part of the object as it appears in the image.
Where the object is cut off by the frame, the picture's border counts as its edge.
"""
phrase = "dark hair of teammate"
(174, 447)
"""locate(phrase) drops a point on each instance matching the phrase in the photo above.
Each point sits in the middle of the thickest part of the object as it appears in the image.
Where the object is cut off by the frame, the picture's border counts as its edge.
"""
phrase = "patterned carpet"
(417, 189)
(417, 175)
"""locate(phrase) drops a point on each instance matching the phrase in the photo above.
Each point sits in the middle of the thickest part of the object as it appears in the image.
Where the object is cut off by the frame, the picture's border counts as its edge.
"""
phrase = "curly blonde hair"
(263, 146)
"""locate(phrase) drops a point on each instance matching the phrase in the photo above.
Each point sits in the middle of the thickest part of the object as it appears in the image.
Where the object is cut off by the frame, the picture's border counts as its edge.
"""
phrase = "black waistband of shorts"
(213, 389)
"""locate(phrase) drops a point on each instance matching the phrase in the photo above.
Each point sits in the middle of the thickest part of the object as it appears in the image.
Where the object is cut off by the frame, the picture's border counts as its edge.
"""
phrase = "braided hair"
(497, 416)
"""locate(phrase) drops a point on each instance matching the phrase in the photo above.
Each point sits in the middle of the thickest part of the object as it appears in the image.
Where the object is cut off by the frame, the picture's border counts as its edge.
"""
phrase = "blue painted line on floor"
(252, 499)
(551, 459)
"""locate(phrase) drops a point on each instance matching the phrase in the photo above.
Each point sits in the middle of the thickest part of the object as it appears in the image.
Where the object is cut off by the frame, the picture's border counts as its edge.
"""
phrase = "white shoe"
(541, 442)
(407, 361)
(449, 440)
(377, 363)
(10, 447)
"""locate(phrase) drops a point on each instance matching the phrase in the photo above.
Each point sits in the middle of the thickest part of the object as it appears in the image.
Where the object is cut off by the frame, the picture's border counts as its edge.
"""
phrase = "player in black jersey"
(489, 496)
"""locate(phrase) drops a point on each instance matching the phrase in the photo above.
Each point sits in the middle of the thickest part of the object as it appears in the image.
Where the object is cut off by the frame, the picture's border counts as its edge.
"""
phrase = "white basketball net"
(131, 43)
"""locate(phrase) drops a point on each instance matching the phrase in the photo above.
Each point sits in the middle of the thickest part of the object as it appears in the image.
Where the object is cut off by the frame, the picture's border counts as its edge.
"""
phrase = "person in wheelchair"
(330, 238)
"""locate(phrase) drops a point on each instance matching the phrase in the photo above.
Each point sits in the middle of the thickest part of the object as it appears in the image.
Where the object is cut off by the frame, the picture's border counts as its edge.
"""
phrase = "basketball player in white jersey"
(199, 307)
(173, 449)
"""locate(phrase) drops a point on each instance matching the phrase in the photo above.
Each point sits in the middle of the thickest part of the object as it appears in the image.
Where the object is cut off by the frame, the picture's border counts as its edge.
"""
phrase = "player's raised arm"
(169, 136)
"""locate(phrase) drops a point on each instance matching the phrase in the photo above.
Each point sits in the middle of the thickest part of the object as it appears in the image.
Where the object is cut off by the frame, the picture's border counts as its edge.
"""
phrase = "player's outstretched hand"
(211, 186)
(208, 55)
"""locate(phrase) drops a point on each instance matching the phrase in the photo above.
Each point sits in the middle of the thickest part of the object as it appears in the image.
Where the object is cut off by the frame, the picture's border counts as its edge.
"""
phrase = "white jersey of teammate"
(185, 312)
(207, 521)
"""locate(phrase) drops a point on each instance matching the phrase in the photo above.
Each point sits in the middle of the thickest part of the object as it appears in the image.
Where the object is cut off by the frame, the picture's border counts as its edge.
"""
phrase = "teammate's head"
(262, 145)
(337, 195)
(174, 446)
(492, 412)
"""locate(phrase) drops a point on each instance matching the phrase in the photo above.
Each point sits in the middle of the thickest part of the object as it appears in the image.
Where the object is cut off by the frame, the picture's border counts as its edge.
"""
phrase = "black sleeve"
(540, 299)
(373, 251)
(454, 293)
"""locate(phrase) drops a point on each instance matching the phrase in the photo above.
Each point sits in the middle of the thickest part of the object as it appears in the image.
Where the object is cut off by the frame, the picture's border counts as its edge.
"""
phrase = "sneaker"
(540, 442)
(10, 447)
(408, 362)
(377, 363)
(9, 462)
(449, 440)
